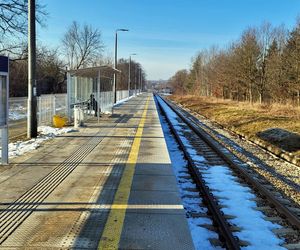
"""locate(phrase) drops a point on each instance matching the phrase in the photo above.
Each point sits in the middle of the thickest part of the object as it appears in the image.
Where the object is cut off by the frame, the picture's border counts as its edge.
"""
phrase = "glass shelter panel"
(81, 88)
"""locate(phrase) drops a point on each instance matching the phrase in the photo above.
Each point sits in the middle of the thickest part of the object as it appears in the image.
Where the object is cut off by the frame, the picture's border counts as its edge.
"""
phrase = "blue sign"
(4, 64)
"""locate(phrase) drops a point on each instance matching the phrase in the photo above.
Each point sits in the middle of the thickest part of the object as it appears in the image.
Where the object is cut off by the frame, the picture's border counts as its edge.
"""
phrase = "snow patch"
(200, 235)
(45, 133)
(122, 101)
(15, 115)
(237, 200)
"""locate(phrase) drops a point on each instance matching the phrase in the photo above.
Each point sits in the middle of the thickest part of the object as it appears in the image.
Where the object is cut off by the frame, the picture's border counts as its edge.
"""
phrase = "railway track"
(195, 142)
(17, 130)
(260, 159)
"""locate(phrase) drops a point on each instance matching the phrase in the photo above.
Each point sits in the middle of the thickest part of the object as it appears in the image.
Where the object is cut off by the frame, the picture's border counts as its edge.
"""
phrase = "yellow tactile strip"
(112, 232)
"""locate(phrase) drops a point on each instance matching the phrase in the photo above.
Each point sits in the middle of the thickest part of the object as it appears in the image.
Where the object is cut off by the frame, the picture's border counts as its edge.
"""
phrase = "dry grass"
(244, 117)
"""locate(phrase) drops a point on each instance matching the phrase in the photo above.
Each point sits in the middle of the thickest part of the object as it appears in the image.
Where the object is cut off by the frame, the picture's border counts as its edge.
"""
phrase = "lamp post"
(116, 64)
(140, 75)
(138, 70)
(32, 102)
(129, 73)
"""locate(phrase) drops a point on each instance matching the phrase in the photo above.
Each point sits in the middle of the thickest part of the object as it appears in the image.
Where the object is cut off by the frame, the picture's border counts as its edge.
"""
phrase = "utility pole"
(135, 79)
(141, 80)
(129, 73)
(138, 82)
(32, 103)
(116, 63)
(129, 76)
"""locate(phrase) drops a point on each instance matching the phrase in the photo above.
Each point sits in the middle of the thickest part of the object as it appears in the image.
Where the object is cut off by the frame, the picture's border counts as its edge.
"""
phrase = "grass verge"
(246, 119)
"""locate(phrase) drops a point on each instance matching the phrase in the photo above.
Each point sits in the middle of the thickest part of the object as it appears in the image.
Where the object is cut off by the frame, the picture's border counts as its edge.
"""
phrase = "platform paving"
(64, 194)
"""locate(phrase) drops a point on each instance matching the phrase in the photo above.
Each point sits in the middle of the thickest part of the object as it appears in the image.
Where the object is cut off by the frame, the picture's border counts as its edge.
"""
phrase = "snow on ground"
(200, 235)
(17, 112)
(237, 200)
(45, 133)
(122, 101)
(16, 115)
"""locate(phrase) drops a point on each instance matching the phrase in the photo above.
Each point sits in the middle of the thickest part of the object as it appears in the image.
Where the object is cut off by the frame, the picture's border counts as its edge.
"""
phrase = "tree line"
(81, 46)
(263, 66)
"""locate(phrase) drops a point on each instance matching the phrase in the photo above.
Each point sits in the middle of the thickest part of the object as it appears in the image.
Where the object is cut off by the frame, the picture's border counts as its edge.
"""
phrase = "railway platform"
(109, 185)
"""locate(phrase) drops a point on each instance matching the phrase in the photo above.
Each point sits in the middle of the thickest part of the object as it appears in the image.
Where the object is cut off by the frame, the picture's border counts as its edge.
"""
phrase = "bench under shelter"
(96, 81)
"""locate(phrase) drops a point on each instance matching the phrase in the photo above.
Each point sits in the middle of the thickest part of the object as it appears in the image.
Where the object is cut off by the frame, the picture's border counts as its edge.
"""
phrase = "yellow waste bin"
(59, 121)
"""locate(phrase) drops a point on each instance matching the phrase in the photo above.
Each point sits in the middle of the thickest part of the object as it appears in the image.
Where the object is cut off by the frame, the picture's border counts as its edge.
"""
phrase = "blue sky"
(165, 33)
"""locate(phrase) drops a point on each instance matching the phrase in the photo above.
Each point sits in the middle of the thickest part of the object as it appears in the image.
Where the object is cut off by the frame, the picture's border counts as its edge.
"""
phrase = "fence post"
(54, 105)
(40, 110)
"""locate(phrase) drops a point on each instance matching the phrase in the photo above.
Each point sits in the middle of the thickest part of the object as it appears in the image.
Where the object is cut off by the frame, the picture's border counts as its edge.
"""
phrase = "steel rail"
(224, 140)
(283, 211)
(219, 221)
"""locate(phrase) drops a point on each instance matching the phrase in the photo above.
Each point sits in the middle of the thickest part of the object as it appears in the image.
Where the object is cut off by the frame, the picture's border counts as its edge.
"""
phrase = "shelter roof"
(93, 72)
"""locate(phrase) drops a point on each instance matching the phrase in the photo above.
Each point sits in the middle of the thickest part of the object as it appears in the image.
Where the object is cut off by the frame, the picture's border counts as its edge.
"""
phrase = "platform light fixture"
(129, 74)
(116, 62)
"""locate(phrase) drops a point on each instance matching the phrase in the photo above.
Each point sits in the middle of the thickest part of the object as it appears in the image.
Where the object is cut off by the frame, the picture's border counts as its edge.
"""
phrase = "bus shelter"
(89, 86)
(4, 95)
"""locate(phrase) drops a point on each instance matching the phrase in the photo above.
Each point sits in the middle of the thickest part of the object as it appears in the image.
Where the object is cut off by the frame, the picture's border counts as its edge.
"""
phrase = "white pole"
(40, 110)
(54, 104)
(116, 65)
(140, 80)
(135, 80)
(69, 96)
(129, 77)
(4, 130)
(98, 96)
(4, 152)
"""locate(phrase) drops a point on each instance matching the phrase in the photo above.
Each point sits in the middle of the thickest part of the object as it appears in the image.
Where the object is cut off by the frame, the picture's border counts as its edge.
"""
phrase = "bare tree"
(246, 65)
(265, 36)
(82, 45)
(262, 65)
(13, 26)
(291, 63)
(197, 74)
(179, 81)
(50, 72)
(16, 49)
(13, 16)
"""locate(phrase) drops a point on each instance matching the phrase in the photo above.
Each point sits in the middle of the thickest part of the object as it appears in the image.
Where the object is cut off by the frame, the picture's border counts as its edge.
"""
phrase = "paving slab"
(61, 195)
(160, 223)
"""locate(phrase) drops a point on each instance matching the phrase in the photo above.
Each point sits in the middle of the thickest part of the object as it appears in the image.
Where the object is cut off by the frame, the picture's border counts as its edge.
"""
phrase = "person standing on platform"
(94, 104)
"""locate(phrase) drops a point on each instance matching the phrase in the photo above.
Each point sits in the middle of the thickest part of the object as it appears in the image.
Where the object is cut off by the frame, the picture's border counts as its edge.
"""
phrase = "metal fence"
(106, 99)
(17, 108)
(49, 105)
(121, 95)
